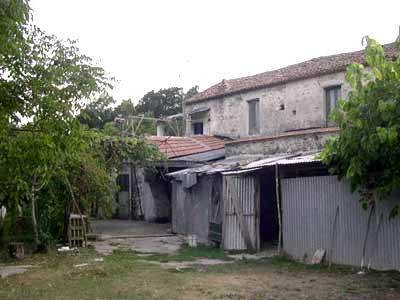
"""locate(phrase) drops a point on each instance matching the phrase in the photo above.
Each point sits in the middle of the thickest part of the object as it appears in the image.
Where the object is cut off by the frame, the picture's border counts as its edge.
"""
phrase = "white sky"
(153, 44)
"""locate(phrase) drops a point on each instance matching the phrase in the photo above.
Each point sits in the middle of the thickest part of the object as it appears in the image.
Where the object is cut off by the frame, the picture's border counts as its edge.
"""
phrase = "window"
(198, 128)
(332, 95)
(254, 116)
(123, 182)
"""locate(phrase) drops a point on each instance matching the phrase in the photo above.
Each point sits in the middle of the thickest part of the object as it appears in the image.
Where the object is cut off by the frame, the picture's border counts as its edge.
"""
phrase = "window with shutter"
(254, 116)
(332, 96)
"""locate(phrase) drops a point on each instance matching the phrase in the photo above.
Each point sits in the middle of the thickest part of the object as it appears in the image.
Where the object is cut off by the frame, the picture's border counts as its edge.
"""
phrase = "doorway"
(269, 223)
(123, 197)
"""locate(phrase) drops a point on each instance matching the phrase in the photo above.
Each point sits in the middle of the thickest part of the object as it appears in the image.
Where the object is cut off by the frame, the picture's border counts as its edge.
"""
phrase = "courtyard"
(189, 273)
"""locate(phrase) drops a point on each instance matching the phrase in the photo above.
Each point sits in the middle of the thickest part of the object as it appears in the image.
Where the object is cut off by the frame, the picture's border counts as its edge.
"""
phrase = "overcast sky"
(153, 44)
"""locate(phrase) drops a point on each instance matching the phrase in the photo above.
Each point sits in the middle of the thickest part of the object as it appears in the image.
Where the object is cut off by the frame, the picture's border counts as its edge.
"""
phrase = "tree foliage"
(98, 112)
(14, 15)
(49, 163)
(152, 106)
(191, 92)
(164, 102)
(366, 152)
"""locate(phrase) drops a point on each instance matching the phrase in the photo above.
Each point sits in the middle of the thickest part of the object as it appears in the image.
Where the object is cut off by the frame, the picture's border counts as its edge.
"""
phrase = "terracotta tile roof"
(285, 134)
(311, 68)
(174, 146)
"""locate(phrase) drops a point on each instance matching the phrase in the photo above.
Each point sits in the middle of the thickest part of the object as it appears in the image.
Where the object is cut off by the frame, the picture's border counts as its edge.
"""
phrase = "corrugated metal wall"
(321, 212)
(245, 189)
(190, 207)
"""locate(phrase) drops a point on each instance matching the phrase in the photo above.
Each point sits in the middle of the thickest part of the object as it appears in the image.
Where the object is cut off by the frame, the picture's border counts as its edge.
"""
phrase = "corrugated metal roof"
(198, 170)
(204, 156)
(241, 172)
(271, 161)
(238, 165)
(199, 110)
(300, 159)
(264, 162)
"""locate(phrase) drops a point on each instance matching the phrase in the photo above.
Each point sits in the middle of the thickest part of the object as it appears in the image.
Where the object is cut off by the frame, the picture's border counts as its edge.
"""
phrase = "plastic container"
(192, 240)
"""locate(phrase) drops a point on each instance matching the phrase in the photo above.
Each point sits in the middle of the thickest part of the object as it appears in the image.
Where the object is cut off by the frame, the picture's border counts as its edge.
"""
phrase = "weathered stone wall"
(295, 105)
(153, 193)
(302, 143)
(154, 197)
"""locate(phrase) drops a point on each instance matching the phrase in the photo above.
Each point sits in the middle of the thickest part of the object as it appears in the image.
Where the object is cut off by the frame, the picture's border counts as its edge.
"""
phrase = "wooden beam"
(257, 208)
(239, 216)
(224, 205)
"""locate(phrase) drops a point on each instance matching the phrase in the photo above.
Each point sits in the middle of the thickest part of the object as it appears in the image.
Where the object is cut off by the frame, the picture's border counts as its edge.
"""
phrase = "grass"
(187, 253)
(128, 275)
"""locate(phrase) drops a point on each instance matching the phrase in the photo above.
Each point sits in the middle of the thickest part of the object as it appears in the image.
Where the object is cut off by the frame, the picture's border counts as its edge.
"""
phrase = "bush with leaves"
(366, 152)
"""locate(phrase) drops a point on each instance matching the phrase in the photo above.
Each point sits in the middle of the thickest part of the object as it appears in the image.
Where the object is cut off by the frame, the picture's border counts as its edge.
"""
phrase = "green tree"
(366, 151)
(191, 92)
(48, 160)
(50, 84)
(164, 102)
(125, 109)
(97, 113)
(161, 104)
(139, 119)
(14, 15)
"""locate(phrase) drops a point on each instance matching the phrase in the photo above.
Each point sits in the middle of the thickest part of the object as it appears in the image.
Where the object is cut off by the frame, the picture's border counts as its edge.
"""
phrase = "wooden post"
(278, 206)
(224, 205)
(332, 246)
(257, 211)
(366, 235)
(34, 220)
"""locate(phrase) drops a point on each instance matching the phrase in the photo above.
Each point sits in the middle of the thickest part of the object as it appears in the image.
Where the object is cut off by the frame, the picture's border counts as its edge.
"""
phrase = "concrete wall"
(310, 142)
(303, 102)
(153, 193)
(154, 197)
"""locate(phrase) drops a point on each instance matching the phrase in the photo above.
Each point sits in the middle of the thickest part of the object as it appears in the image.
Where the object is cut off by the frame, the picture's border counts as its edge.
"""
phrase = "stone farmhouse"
(246, 175)
(290, 102)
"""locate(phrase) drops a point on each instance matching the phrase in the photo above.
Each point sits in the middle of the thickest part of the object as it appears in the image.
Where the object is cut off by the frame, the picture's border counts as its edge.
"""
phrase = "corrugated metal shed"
(321, 212)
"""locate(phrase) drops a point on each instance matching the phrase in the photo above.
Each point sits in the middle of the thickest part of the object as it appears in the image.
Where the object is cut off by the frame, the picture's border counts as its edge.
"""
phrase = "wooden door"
(241, 213)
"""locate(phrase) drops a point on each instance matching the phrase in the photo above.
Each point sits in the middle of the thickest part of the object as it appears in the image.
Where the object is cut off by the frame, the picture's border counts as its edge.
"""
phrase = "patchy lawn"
(128, 275)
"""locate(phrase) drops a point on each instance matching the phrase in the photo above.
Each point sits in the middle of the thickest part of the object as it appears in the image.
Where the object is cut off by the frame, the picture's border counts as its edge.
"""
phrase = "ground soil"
(128, 275)
(164, 269)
